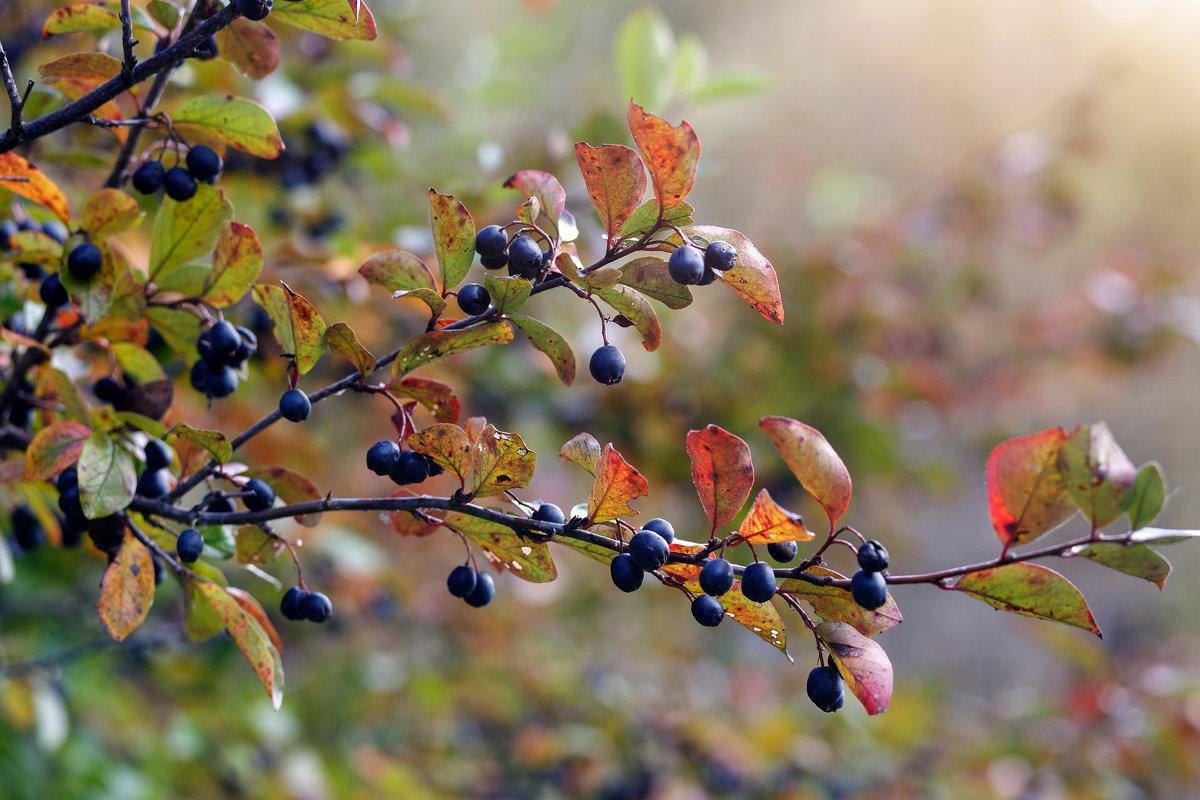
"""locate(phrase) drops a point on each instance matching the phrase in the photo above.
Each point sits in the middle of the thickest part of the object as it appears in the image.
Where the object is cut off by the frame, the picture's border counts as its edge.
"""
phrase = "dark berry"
(27, 529)
(435, 468)
(461, 581)
(253, 9)
(649, 550)
(484, 591)
(8, 229)
(524, 257)
(258, 494)
(607, 365)
(316, 607)
(825, 688)
(686, 265)
(291, 604)
(52, 292)
(758, 582)
(382, 457)
(719, 256)
(30, 225)
(218, 503)
(662, 528)
(410, 468)
(548, 512)
(707, 610)
(491, 241)
(247, 347)
(626, 575)
(68, 479)
(783, 552)
(873, 556)
(148, 178)
(207, 49)
(199, 376)
(224, 339)
(494, 262)
(221, 382)
(473, 299)
(85, 261)
(160, 571)
(69, 503)
(868, 589)
(190, 545)
(72, 536)
(154, 483)
(716, 577)
(158, 454)
(108, 390)
(56, 230)
(294, 406)
(204, 163)
(179, 184)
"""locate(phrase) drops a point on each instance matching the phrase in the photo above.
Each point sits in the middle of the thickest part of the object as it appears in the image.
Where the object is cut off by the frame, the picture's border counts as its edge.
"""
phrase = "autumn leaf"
(670, 152)
(752, 275)
(615, 485)
(499, 461)
(127, 589)
(528, 560)
(36, 186)
(722, 470)
(1098, 474)
(1025, 490)
(616, 180)
(862, 663)
(770, 522)
(249, 636)
(541, 185)
(1031, 590)
(448, 446)
(53, 449)
(813, 461)
(582, 449)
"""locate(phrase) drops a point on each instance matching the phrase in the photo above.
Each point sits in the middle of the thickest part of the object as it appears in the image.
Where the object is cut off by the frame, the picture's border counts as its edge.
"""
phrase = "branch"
(141, 643)
(16, 102)
(129, 60)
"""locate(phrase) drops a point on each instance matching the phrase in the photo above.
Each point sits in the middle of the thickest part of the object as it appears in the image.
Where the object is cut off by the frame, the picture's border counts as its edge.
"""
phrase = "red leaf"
(769, 522)
(127, 589)
(542, 185)
(813, 461)
(863, 664)
(616, 484)
(437, 396)
(752, 275)
(1026, 493)
(671, 153)
(616, 181)
(53, 449)
(722, 470)
(406, 523)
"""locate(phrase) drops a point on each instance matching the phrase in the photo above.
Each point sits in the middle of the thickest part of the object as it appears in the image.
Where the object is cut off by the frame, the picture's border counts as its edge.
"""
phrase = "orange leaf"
(437, 396)
(54, 448)
(752, 275)
(249, 636)
(447, 445)
(616, 484)
(813, 461)
(769, 522)
(499, 461)
(79, 73)
(37, 187)
(722, 471)
(127, 589)
(616, 181)
(671, 153)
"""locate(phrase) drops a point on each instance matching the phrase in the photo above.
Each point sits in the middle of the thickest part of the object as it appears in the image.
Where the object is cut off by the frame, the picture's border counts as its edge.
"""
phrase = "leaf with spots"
(504, 549)
(615, 179)
(651, 277)
(722, 471)
(830, 602)
(342, 340)
(499, 461)
(863, 664)
(636, 309)
(250, 46)
(397, 271)
(127, 589)
(762, 619)
(813, 461)
(507, 294)
(770, 522)
(670, 153)
(448, 445)
(550, 342)
(78, 74)
(250, 638)
(237, 262)
(1137, 560)
(438, 344)
(584, 450)
(1026, 493)
(91, 17)
(214, 443)
(334, 19)
(109, 212)
(252, 607)
(435, 395)
(221, 120)
(298, 327)
(53, 449)
(36, 186)
(752, 275)
(543, 186)
(1030, 590)
(1098, 474)
(616, 483)
(453, 237)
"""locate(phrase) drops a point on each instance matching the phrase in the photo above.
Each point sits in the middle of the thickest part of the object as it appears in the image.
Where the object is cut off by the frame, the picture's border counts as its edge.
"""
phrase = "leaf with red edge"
(670, 152)
(499, 461)
(77, 74)
(290, 487)
(299, 329)
(53, 449)
(406, 523)
(250, 638)
(830, 602)
(1026, 493)
(550, 342)
(770, 522)
(638, 310)
(109, 212)
(397, 270)
(127, 589)
(1030, 590)
(342, 340)
(213, 442)
(813, 461)
(437, 396)
(453, 237)
(862, 663)
(615, 179)
(1097, 473)
(722, 470)
(250, 46)
(542, 185)
(448, 446)
(334, 19)
(582, 449)
(255, 609)
(616, 484)
(93, 17)
(504, 549)
(752, 275)
(36, 186)
(237, 262)
(438, 344)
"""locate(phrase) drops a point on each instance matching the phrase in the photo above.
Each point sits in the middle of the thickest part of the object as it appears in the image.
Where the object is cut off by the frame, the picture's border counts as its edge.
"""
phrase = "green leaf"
(185, 231)
(862, 663)
(214, 442)
(92, 17)
(202, 620)
(453, 237)
(1031, 590)
(180, 329)
(342, 340)
(615, 179)
(508, 294)
(1149, 495)
(330, 18)
(109, 212)
(636, 309)
(670, 152)
(651, 277)
(584, 450)
(1137, 560)
(646, 215)
(250, 46)
(53, 449)
(290, 487)
(545, 187)
(165, 13)
(437, 344)
(832, 603)
(137, 362)
(752, 275)
(813, 461)
(226, 120)
(1098, 474)
(504, 549)
(55, 382)
(107, 476)
(430, 297)
(642, 52)
(397, 270)
(500, 461)
(550, 342)
(35, 248)
(299, 329)
(127, 589)
(617, 482)
(1025, 490)
(249, 637)
(237, 262)
(722, 471)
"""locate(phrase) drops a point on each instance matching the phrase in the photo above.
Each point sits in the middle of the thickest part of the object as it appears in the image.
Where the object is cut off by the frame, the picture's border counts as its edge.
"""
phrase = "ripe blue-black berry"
(707, 610)
(873, 556)
(626, 575)
(649, 550)
(85, 261)
(294, 405)
(758, 582)
(382, 457)
(662, 528)
(316, 607)
(461, 581)
(220, 382)
(719, 256)
(473, 299)
(716, 577)
(207, 49)
(484, 591)
(548, 512)
(247, 346)
(189, 545)
(494, 262)
(217, 503)
(204, 163)
(108, 390)
(686, 265)
(148, 178)
(607, 365)
(783, 552)
(491, 242)
(27, 529)
(55, 230)
(410, 467)
(825, 688)
(524, 257)
(179, 184)
(254, 9)
(52, 292)
(198, 377)
(259, 495)
(224, 339)
(291, 604)
(435, 468)
(868, 589)
(67, 479)
(158, 454)
(154, 483)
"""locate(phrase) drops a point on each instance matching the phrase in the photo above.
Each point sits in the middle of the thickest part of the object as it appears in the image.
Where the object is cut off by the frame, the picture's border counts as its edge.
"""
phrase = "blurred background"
(983, 218)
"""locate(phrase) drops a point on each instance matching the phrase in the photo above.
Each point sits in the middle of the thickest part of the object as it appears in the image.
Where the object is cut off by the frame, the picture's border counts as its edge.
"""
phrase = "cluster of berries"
(300, 604)
(179, 183)
(692, 266)
(155, 480)
(868, 586)
(523, 255)
(223, 349)
(386, 459)
(648, 550)
(475, 587)
(70, 503)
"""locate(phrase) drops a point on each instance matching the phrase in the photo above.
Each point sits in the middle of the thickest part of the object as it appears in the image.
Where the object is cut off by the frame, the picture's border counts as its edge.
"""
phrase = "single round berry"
(291, 606)
(27, 529)
(204, 163)
(154, 483)
(221, 382)
(686, 265)
(662, 528)
(758, 582)
(607, 365)
(491, 242)
(85, 261)
(435, 468)
(783, 552)
(218, 503)
(649, 550)
(707, 610)
(259, 495)
(108, 390)
(626, 575)
(253, 9)
(247, 346)
(294, 406)
(410, 467)
(148, 178)
(716, 577)
(719, 256)
(382, 457)
(190, 545)
(224, 339)
(548, 512)
(825, 688)
(8, 229)
(868, 589)
(198, 376)
(316, 607)
(494, 262)
(179, 184)
(461, 581)
(67, 479)
(158, 454)
(484, 591)
(873, 556)
(69, 502)
(524, 257)
(52, 292)
(473, 299)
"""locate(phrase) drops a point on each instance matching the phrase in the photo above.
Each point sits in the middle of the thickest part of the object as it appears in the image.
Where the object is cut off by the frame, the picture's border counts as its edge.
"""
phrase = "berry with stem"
(825, 688)
(484, 591)
(873, 556)
(707, 610)
(869, 589)
(686, 265)
(461, 581)
(649, 550)
(758, 582)
(607, 365)
(190, 545)
(783, 552)
(294, 405)
(716, 577)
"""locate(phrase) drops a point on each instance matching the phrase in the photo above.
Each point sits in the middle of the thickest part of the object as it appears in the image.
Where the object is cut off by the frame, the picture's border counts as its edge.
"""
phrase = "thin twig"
(14, 95)
(129, 60)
